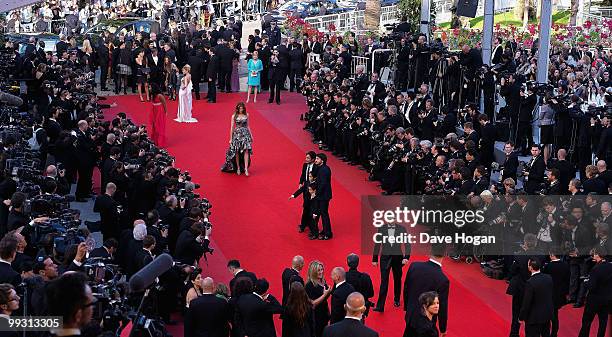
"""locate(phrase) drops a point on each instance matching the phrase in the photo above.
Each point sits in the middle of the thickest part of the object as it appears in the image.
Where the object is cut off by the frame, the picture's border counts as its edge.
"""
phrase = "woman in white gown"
(184, 107)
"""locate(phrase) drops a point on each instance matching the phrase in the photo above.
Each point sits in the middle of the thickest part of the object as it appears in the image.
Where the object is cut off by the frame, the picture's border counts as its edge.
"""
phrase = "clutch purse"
(254, 73)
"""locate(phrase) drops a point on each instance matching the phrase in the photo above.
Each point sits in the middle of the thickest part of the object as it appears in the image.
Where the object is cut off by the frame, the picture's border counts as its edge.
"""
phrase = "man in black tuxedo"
(256, 311)
(86, 155)
(560, 272)
(109, 212)
(340, 293)
(291, 275)
(519, 273)
(537, 308)
(536, 168)
(488, 135)
(234, 267)
(145, 255)
(511, 162)
(226, 55)
(362, 282)
(567, 171)
(324, 193)
(208, 315)
(8, 251)
(196, 62)
(393, 256)
(103, 54)
(156, 63)
(211, 75)
(107, 251)
(599, 296)
(422, 277)
(284, 60)
(296, 65)
(351, 325)
(375, 90)
(276, 76)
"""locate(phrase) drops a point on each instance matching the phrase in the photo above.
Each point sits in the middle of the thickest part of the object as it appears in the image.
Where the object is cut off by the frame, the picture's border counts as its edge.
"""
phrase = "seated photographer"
(145, 256)
(52, 173)
(71, 298)
(107, 251)
(17, 218)
(20, 258)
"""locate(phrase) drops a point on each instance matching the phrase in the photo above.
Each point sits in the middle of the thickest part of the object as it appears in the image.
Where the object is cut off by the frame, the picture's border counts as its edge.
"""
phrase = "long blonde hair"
(86, 47)
(313, 271)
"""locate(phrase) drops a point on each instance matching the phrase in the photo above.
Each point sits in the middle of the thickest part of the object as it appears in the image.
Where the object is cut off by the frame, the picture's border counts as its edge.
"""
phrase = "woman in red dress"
(157, 118)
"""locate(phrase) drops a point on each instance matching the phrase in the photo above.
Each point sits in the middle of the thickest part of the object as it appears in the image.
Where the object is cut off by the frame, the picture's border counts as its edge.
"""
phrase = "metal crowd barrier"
(359, 61)
(311, 58)
(385, 71)
(352, 20)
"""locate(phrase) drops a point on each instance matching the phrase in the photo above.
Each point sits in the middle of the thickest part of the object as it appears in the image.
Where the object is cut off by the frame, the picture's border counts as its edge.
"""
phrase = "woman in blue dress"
(254, 66)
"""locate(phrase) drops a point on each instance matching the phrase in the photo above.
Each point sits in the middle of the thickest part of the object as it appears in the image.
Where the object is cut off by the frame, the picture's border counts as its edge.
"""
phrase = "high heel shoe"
(238, 172)
(246, 173)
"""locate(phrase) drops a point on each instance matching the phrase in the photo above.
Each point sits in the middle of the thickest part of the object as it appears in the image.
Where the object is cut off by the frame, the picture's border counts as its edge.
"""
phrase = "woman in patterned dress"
(240, 143)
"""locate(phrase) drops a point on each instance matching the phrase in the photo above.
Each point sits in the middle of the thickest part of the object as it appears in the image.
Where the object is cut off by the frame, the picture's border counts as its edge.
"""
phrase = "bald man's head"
(338, 274)
(355, 305)
(208, 285)
(297, 263)
(138, 222)
(561, 154)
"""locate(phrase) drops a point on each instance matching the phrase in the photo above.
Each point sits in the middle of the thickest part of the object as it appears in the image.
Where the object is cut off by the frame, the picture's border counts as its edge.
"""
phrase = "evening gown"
(241, 141)
(321, 311)
(157, 119)
(184, 107)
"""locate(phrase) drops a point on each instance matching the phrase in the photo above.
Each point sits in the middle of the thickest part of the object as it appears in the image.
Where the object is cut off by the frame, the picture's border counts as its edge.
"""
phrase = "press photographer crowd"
(423, 133)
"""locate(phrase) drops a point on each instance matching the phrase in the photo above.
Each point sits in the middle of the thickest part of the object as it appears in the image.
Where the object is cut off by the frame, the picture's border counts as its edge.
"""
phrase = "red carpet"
(255, 223)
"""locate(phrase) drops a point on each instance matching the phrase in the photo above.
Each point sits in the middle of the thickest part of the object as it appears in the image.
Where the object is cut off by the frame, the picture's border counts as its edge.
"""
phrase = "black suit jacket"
(256, 315)
(213, 68)
(100, 252)
(324, 190)
(537, 305)
(422, 277)
(188, 250)
(349, 327)
(519, 273)
(9, 275)
(390, 254)
(226, 55)
(289, 276)
(338, 299)
(208, 316)
(600, 284)
(560, 273)
(510, 164)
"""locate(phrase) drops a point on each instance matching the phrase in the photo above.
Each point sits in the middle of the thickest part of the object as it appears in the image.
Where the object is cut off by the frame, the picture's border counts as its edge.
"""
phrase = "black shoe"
(377, 309)
(396, 304)
(312, 237)
(300, 229)
(270, 101)
(386, 193)
(278, 103)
